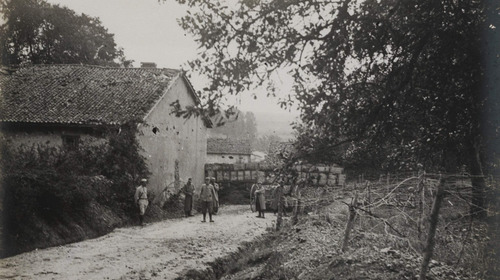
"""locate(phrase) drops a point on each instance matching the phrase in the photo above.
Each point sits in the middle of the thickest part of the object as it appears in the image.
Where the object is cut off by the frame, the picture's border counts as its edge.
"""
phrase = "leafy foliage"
(264, 142)
(403, 74)
(408, 82)
(56, 186)
(124, 165)
(38, 32)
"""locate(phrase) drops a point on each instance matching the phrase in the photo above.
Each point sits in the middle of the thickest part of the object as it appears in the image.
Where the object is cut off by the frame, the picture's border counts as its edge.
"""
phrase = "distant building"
(228, 150)
(66, 105)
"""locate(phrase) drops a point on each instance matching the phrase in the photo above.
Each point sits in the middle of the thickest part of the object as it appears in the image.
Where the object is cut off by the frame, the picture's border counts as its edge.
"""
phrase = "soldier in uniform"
(207, 196)
(216, 200)
(188, 191)
(258, 192)
(141, 199)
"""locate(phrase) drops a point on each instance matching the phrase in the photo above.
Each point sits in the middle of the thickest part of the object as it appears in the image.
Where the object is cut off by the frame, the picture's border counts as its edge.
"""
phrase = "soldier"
(207, 196)
(141, 199)
(216, 200)
(188, 191)
(260, 199)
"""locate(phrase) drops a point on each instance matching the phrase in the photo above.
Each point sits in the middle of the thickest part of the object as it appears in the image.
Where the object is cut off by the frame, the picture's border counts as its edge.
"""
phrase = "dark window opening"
(231, 157)
(71, 142)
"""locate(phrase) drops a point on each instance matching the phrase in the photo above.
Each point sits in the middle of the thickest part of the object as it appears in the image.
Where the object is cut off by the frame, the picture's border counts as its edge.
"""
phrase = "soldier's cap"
(207, 178)
(144, 180)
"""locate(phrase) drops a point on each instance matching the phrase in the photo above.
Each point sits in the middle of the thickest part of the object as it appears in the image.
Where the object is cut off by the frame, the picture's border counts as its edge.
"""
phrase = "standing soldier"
(216, 200)
(188, 191)
(207, 196)
(141, 199)
(260, 199)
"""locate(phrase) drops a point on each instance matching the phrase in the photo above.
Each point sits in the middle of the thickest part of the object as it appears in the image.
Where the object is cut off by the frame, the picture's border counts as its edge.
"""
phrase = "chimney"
(148, 65)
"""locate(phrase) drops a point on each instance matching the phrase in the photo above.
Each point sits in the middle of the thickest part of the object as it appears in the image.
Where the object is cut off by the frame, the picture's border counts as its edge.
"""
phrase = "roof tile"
(81, 94)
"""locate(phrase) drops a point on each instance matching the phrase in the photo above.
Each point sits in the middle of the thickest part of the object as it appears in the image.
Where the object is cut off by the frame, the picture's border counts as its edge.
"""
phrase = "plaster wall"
(170, 143)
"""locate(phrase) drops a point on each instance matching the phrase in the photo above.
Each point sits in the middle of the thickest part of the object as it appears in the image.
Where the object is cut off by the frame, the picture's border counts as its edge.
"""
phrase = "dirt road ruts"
(155, 251)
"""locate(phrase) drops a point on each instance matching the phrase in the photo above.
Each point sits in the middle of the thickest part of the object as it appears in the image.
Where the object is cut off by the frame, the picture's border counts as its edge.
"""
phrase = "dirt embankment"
(162, 250)
(311, 249)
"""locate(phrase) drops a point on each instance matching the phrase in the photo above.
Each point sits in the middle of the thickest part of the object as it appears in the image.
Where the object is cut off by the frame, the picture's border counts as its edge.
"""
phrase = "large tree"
(38, 32)
(236, 125)
(402, 81)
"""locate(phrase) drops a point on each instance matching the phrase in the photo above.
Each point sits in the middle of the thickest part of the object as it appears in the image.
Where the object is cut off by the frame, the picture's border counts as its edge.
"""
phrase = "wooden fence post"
(429, 247)
(369, 195)
(421, 206)
(296, 208)
(279, 220)
(350, 222)
(295, 218)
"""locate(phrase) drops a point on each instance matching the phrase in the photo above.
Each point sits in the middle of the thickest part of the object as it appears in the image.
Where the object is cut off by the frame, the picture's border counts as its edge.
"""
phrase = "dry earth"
(156, 251)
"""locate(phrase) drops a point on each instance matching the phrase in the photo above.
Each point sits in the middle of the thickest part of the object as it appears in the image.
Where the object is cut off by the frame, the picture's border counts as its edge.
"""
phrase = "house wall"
(47, 136)
(228, 158)
(177, 144)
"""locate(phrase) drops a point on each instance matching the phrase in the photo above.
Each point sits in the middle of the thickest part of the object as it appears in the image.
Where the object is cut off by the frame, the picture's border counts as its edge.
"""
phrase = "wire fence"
(428, 213)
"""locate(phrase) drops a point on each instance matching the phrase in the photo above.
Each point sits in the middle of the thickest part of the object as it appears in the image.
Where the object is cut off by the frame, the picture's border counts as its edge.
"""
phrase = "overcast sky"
(148, 32)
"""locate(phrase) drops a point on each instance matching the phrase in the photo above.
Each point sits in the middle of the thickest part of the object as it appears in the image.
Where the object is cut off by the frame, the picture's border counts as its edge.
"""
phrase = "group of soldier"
(209, 198)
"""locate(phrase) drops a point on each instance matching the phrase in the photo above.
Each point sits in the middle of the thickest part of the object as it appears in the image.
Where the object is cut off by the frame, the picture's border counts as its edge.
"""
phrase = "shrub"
(48, 185)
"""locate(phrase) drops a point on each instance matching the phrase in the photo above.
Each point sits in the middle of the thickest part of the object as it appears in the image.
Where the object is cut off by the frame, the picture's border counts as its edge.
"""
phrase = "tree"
(237, 126)
(404, 77)
(251, 126)
(38, 32)
(265, 142)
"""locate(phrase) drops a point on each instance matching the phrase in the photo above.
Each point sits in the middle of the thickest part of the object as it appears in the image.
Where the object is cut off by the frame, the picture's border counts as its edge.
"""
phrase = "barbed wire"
(426, 179)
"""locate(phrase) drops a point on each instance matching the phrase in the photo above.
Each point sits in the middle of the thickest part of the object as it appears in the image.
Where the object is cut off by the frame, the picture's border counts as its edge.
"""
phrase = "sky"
(148, 32)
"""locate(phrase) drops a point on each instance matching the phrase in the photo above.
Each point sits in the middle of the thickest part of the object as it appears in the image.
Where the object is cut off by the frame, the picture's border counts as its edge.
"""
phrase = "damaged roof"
(228, 146)
(83, 94)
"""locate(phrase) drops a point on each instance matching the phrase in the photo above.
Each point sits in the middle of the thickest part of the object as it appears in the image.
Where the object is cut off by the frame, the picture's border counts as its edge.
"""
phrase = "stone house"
(226, 150)
(65, 105)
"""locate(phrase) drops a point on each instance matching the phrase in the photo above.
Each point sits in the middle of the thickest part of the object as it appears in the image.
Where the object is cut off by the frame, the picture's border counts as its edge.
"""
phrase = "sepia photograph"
(250, 139)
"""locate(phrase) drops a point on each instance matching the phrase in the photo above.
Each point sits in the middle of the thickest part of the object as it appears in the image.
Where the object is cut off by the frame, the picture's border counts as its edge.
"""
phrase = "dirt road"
(155, 251)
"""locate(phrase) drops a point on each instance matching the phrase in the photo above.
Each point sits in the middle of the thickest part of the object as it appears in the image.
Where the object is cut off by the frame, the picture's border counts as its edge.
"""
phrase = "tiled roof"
(82, 94)
(228, 146)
